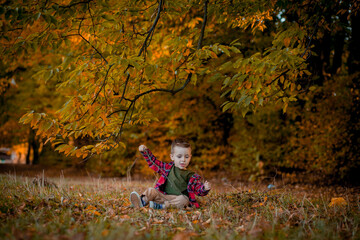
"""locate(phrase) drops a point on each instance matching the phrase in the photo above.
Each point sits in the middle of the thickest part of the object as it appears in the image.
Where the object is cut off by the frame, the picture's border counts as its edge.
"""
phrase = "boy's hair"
(180, 142)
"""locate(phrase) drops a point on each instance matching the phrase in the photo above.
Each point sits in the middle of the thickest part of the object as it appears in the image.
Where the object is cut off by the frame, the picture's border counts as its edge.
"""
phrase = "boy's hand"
(207, 186)
(142, 148)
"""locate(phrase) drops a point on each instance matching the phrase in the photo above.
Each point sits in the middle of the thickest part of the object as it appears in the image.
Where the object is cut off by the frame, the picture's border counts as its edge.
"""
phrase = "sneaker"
(136, 200)
(155, 205)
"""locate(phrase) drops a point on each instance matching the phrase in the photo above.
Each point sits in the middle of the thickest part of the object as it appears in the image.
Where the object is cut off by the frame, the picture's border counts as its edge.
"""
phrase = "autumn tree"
(109, 57)
(115, 59)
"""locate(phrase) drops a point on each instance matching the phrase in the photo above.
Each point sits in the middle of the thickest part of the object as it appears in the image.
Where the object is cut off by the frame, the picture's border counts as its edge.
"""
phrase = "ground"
(88, 207)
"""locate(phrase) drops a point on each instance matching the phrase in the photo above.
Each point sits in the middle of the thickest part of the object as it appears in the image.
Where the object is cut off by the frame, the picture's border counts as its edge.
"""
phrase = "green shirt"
(177, 181)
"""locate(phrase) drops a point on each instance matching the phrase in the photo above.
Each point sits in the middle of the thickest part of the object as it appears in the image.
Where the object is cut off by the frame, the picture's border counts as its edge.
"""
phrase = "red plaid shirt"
(195, 186)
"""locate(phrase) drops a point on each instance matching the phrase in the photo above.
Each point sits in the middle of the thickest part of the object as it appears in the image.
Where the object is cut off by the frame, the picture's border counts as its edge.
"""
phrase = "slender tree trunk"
(32, 144)
(28, 154)
(354, 72)
(354, 123)
(35, 147)
(354, 46)
(29, 148)
(339, 42)
(320, 63)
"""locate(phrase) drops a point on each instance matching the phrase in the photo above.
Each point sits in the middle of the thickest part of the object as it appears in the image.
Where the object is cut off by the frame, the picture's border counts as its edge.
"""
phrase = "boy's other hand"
(142, 148)
(207, 186)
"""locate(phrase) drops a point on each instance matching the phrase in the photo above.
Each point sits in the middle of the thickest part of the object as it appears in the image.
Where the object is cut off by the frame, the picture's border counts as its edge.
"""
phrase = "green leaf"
(60, 147)
(238, 62)
(244, 111)
(226, 81)
(226, 65)
(215, 77)
(285, 107)
(228, 106)
(36, 119)
(312, 88)
(241, 79)
(243, 96)
(225, 50)
(225, 93)
(248, 100)
(235, 49)
(194, 78)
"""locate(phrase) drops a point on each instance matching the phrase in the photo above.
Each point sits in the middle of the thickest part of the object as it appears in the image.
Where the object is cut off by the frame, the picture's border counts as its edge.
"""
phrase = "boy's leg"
(151, 194)
(180, 201)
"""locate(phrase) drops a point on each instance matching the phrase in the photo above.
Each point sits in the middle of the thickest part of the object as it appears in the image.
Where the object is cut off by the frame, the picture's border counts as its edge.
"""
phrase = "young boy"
(177, 186)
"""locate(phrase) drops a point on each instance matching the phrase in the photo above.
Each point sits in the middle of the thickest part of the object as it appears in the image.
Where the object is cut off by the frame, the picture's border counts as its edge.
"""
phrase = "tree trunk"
(354, 123)
(29, 147)
(32, 144)
(354, 46)
(35, 147)
(339, 42)
(28, 154)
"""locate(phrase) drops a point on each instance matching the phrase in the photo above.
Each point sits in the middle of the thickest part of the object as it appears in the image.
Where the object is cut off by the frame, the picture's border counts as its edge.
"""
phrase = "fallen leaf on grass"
(157, 221)
(90, 207)
(105, 232)
(337, 202)
(21, 208)
(207, 222)
(96, 213)
(125, 217)
(180, 228)
(184, 235)
(240, 228)
(142, 229)
(78, 236)
(110, 212)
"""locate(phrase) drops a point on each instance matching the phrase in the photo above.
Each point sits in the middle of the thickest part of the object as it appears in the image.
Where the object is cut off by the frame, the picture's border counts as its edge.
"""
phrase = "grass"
(94, 208)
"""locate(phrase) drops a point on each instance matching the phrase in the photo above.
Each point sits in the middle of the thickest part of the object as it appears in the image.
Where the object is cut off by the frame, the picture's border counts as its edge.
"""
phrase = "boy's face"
(181, 157)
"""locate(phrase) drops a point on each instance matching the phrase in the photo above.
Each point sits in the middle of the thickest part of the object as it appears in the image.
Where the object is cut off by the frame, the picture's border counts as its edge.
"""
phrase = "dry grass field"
(98, 208)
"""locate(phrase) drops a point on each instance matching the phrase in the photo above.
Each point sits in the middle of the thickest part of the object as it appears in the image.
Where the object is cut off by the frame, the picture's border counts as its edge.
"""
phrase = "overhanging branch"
(172, 91)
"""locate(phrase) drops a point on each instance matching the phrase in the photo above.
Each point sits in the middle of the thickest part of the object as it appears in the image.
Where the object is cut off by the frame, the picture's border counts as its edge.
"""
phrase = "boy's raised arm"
(154, 164)
(197, 187)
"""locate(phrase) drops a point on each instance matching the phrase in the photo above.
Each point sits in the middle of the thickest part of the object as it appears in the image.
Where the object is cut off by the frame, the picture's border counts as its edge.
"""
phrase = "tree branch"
(133, 101)
(92, 19)
(90, 43)
(302, 55)
(143, 47)
(203, 25)
(97, 94)
(74, 4)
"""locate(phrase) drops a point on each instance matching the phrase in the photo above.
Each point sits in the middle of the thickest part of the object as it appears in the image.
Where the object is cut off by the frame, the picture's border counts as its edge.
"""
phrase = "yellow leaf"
(125, 216)
(213, 55)
(189, 44)
(292, 87)
(78, 153)
(248, 85)
(105, 232)
(91, 207)
(337, 202)
(96, 213)
(282, 79)
(187, 52)
(180, 228)
(287, 42)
